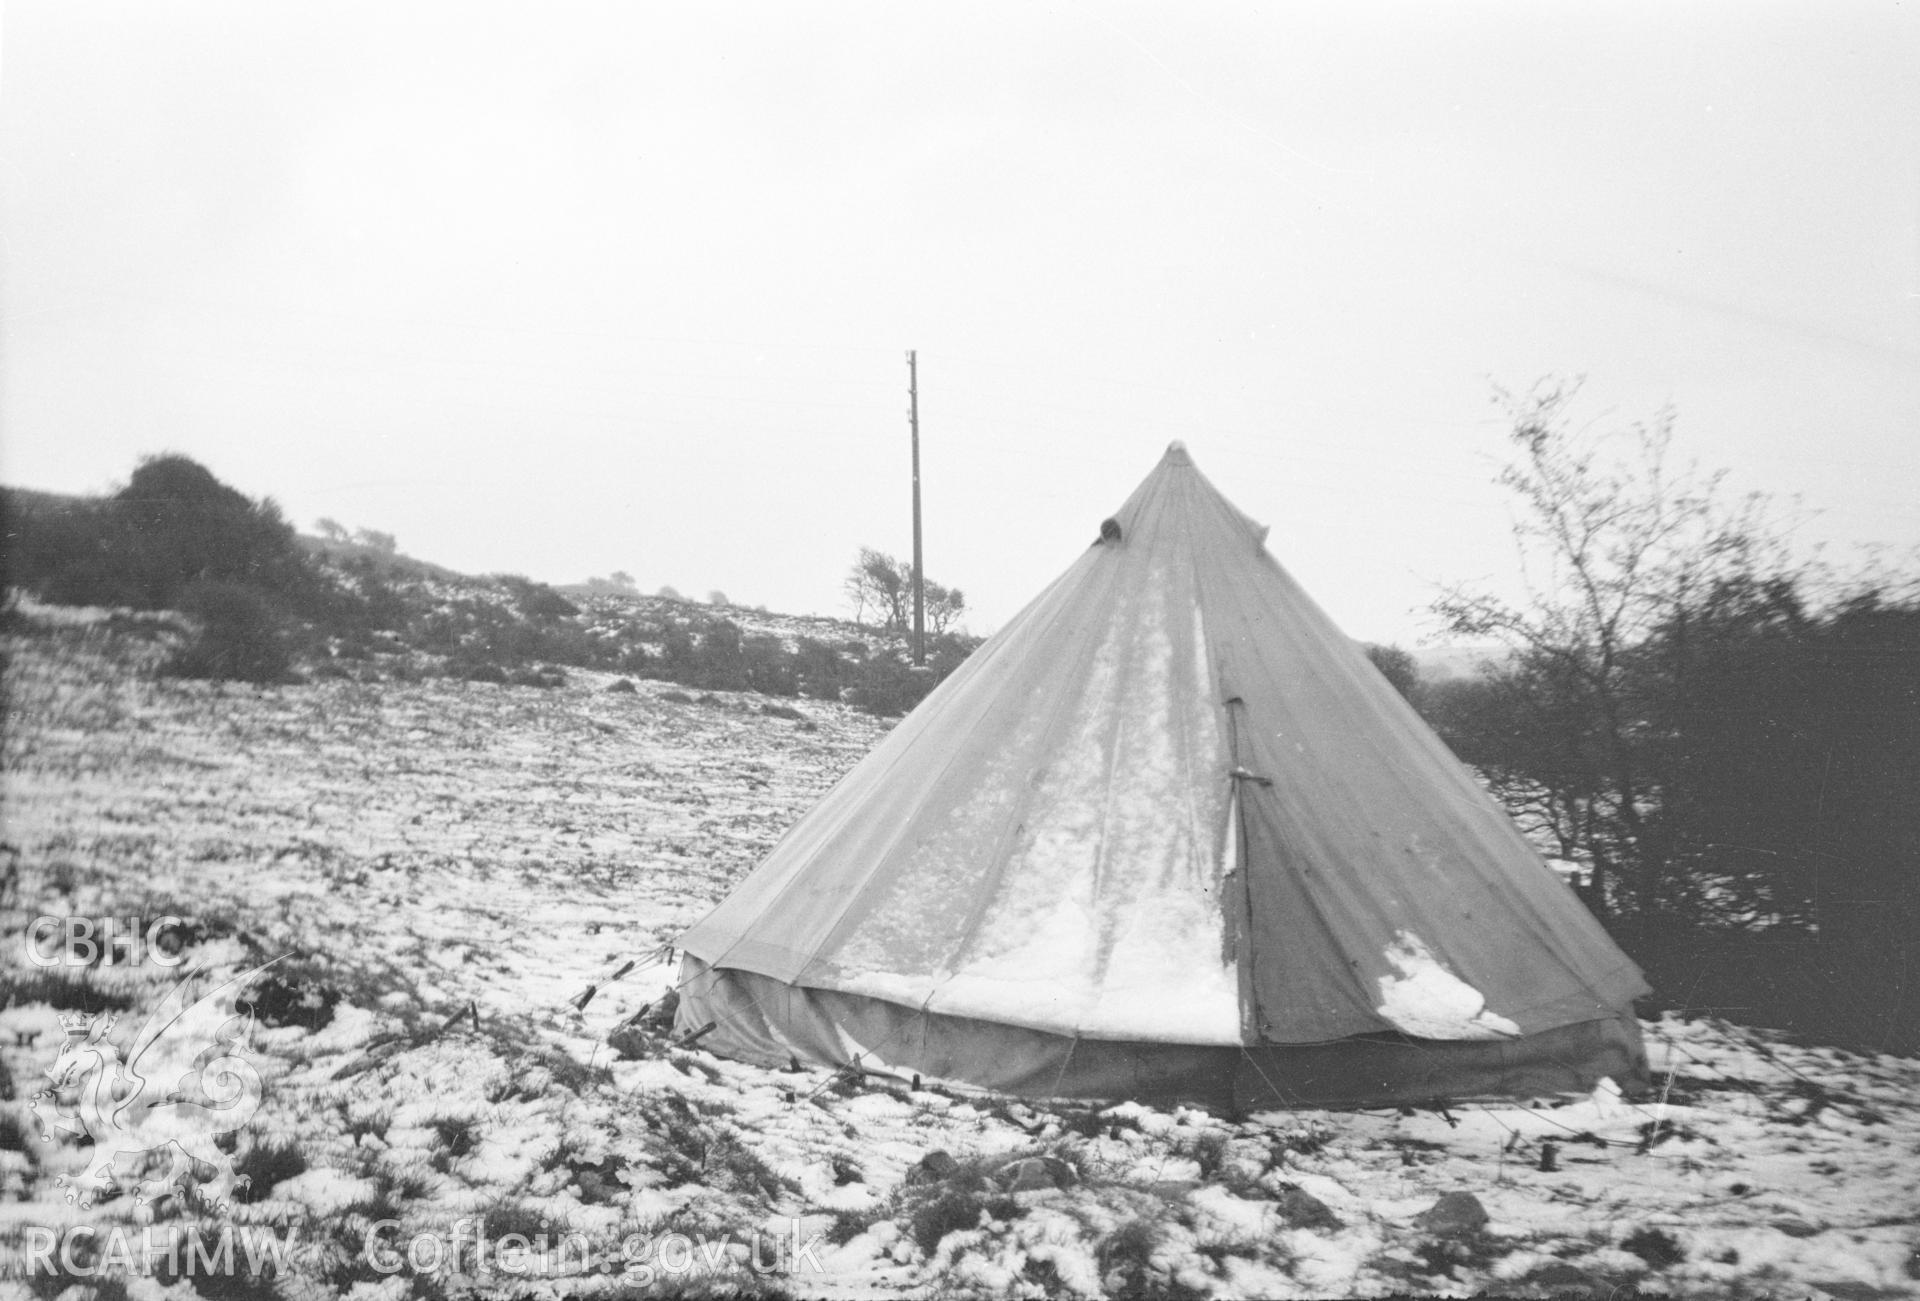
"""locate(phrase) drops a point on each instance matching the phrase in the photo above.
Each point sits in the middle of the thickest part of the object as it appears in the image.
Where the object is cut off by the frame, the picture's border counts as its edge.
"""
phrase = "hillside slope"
(268, 603)
(400, 619)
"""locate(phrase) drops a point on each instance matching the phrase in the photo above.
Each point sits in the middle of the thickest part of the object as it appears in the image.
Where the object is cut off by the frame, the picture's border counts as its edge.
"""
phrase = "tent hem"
(770, 1023)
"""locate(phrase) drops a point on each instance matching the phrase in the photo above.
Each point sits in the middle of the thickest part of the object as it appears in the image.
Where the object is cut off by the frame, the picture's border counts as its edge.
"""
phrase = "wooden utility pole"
(919, 582)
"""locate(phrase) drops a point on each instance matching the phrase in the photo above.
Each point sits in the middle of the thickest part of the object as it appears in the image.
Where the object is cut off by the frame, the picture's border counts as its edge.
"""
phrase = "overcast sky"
(563, 289)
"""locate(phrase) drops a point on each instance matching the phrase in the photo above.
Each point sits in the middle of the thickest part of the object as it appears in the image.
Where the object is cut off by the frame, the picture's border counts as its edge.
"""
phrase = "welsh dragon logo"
(182, 1083)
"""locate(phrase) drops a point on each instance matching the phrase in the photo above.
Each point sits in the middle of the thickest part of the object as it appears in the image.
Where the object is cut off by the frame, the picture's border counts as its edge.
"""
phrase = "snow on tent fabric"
(1168, 835)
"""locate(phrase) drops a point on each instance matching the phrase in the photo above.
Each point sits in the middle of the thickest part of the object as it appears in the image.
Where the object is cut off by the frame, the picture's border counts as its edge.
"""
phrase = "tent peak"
(1177, 454)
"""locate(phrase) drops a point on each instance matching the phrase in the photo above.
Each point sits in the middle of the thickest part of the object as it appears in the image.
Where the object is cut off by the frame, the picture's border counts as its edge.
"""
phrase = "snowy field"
(444, 869)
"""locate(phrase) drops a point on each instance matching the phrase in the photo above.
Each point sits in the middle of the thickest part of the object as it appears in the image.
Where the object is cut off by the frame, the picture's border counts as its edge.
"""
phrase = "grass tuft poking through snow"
(267, 1164)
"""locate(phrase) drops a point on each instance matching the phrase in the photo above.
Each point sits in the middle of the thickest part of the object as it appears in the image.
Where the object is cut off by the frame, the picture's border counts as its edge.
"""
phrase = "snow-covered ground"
(447, 867)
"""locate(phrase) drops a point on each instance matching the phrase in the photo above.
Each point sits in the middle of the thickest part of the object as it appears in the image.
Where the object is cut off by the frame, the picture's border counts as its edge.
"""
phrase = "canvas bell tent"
(1169, 836)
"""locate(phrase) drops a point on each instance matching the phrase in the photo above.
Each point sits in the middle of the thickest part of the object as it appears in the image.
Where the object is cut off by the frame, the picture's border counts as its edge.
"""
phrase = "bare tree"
(883, 584)
(880, 583)
(1615, 544)
(945, 607)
